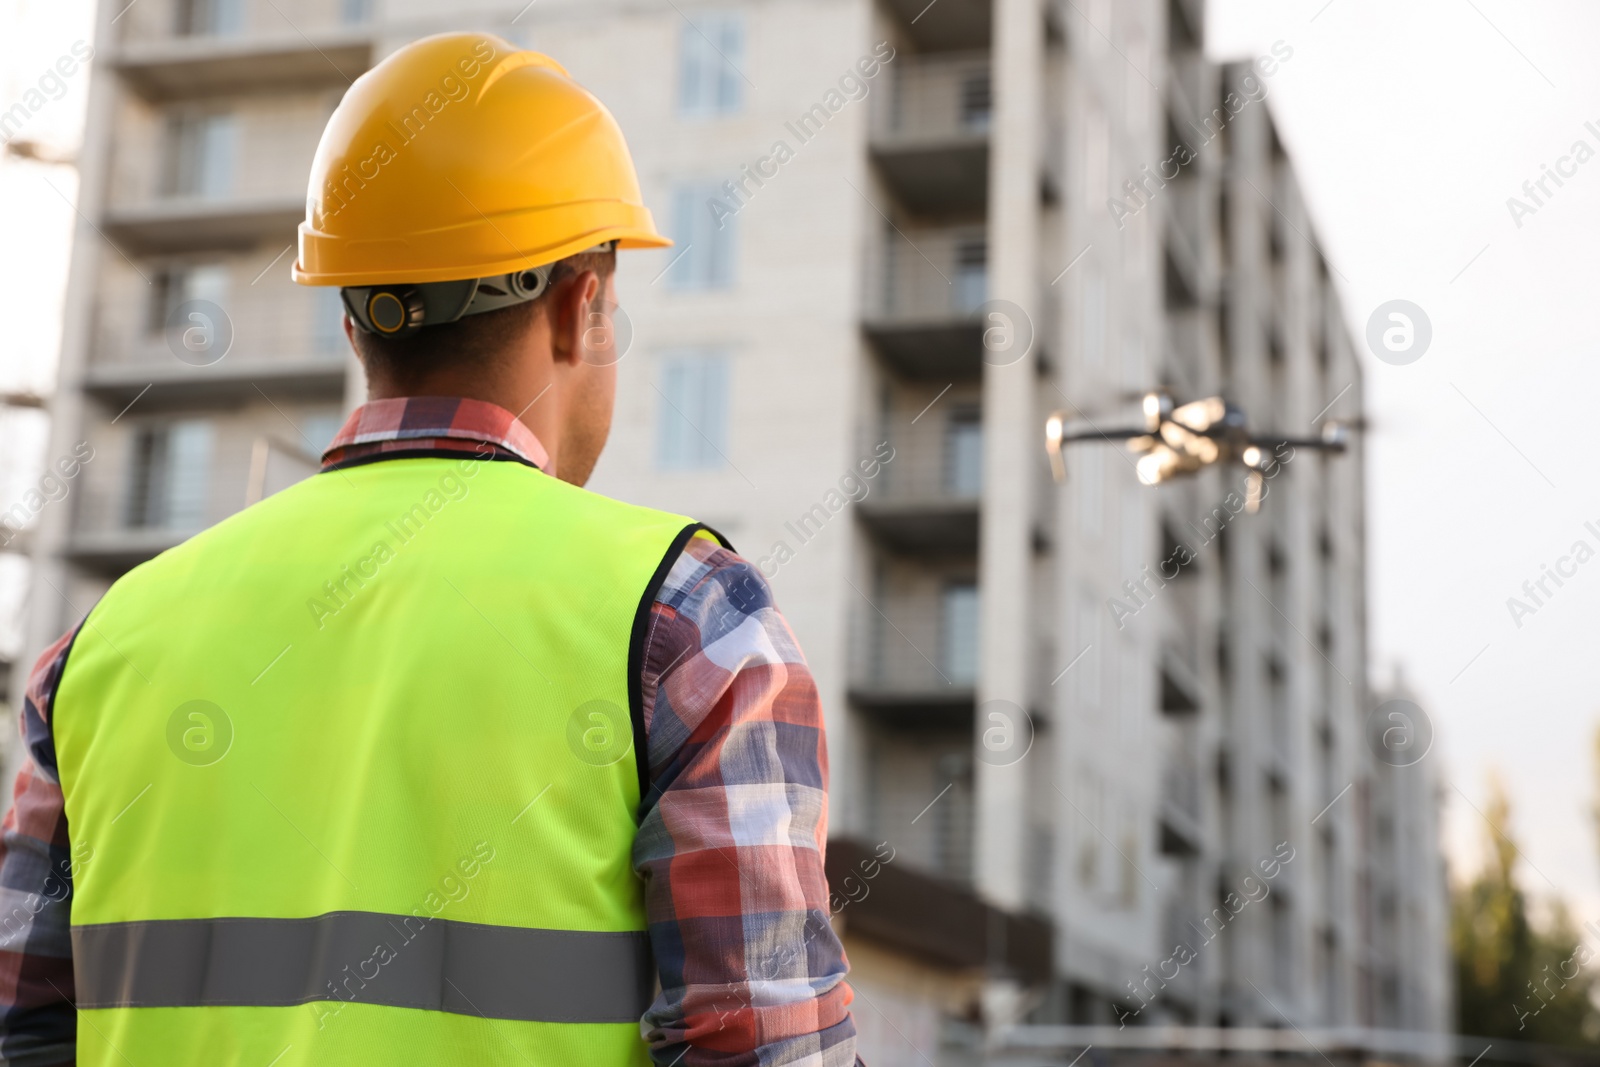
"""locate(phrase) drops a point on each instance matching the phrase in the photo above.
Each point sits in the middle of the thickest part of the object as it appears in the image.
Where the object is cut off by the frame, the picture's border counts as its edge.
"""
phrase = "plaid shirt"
(730, 845)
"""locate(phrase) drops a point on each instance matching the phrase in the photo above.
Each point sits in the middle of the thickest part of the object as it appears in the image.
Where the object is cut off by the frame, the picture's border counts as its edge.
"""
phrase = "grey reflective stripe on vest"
(499, 972)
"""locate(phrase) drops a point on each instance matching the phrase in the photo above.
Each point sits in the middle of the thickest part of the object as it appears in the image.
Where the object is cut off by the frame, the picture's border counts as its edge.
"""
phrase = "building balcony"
(910, 679)
(141, 508)
(1180, 681)
(1194, 17)
(914, 652)
(1181, 811)
(1181, 646)
(1184, 924)
(1193, 252)
(198, 66)
(930, 132)
(1196, 89)
(201, 335)
(1192, 211)
(889, 901)
(909, 769)
(162, 472)
(962, 25)
(224, 23)
(217, 173)
(169, 379)
(925, 291)
(193, 223)
(926, 499)
(168, 497)
(1195, 349)
(113, 549)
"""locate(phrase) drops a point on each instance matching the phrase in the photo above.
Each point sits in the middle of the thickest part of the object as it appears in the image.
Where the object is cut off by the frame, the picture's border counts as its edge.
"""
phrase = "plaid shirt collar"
(431, 423)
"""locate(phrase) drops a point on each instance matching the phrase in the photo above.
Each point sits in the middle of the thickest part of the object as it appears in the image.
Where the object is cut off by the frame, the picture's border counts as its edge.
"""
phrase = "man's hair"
(475, 340)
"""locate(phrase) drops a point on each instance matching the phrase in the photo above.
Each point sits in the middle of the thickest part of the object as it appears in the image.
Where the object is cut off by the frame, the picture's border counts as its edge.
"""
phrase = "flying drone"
(1178, 440)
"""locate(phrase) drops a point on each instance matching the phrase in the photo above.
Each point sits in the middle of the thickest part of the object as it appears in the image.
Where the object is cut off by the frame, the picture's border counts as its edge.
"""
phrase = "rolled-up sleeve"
(38, 1023)
(733, 830)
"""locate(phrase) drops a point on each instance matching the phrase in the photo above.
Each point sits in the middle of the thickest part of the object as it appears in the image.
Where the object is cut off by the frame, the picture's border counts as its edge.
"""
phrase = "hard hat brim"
(383, 256)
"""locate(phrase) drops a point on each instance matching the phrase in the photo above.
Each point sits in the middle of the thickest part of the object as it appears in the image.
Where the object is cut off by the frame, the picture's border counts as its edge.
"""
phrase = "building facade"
(906, 233)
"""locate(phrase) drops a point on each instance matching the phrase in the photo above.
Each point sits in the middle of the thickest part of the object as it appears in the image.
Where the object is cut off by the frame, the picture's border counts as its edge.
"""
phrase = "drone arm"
(1104, 435)
(1319, 443)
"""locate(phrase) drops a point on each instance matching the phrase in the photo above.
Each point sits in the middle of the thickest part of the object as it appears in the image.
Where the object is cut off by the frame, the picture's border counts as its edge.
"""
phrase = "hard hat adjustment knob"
(528, 284)
(397, 312)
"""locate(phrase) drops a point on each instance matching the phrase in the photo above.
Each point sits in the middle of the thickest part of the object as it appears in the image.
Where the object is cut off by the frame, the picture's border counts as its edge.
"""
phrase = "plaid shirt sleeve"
(731, 843)
(38, 1024)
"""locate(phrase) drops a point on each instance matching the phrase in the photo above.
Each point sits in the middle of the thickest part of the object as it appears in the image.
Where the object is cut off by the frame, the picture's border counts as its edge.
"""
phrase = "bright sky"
(1410, 124)
(36, 236)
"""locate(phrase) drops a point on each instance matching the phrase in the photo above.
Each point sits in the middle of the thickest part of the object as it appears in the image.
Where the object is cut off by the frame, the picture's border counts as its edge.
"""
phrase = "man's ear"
(350, 329)
(571, 303)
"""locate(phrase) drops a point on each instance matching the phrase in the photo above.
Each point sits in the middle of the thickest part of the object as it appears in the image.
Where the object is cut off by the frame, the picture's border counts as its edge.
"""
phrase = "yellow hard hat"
(461, 157)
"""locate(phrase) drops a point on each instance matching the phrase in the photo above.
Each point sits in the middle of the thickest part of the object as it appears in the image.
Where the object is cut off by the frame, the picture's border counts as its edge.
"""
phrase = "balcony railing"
(1194, 77)
(917, 648)
(112, 510)
(1183, 924)
(156, 20)
(163, 482)
(930, 132)
(937, 462)
(1191, 208)
(1196, 345)
(908, 773)
(925, 500)
(1184, 627)
(928, 276)
(112, 531)
(264, 329)
(934, 98)
(907, 658)
(1181, 779)
(212, 160)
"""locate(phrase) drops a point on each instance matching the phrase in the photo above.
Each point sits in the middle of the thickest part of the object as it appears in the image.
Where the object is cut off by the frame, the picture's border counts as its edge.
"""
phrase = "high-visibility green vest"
(351, 778)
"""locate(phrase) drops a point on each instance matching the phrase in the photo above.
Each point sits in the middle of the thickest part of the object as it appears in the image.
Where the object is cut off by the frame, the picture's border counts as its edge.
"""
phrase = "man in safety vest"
(435, 757)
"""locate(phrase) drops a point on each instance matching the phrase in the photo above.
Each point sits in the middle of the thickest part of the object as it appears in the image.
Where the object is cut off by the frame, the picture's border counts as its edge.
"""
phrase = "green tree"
(1513, 979)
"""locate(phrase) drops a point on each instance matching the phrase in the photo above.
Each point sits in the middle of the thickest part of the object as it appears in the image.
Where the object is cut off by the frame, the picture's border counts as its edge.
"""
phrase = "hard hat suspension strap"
(401, 310)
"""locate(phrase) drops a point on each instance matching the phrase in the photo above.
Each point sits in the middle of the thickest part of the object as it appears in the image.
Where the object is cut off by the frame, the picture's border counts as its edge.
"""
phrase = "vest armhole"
(715, 535)
(52, 694)
(636, 643)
